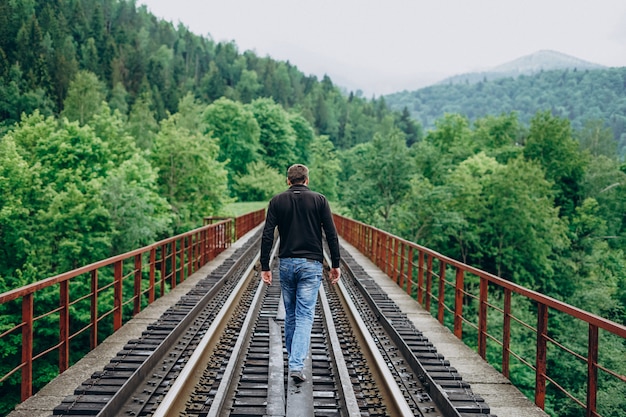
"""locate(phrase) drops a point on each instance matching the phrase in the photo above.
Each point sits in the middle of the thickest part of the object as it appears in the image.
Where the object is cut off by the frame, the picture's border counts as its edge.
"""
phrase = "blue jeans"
(300, 281)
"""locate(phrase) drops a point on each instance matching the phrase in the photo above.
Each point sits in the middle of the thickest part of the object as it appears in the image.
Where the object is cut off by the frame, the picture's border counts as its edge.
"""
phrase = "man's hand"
(333, 275)
(266, 276)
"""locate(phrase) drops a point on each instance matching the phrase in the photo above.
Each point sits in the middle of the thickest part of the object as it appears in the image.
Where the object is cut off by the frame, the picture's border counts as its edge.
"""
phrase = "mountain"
(544, 60)
(580, 95)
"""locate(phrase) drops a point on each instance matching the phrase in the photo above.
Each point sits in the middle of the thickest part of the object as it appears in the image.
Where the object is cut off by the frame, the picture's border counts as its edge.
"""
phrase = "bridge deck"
(503, 398)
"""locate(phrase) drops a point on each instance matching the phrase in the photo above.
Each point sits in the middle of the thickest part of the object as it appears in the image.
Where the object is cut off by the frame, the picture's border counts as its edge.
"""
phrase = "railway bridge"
(185, 327)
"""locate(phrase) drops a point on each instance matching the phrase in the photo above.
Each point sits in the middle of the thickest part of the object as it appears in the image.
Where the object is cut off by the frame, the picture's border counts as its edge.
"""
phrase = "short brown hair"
(297, 174)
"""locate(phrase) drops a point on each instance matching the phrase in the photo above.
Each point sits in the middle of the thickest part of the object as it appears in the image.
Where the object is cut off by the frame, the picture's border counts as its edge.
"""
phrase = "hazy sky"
(385, 46)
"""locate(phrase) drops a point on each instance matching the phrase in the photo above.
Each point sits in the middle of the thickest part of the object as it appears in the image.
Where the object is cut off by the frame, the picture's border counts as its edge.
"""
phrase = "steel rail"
(434, 389)
(121, 397)
(345, 385)
(397, 403)
(173, 402)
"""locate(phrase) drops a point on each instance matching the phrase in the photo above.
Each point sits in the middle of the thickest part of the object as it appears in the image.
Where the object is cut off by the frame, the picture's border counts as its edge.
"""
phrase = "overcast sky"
(384, 46)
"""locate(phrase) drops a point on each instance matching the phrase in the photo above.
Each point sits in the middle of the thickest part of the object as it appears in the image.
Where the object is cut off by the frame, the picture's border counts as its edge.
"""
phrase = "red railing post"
(64, 325)
(429, 281)
(592, 371)
(409, 278)
(190, 258)
(27, 346)
(396, 249)
(420, 277)
(458, 304)
(442, 289)
(203, 246)
(117, 289)
(137, 285)
(542, 351)
(93, 335)
(482, 318)
(402, 262)
(152, 275)
(173, 260)
(181, 255)
(506, 333)
(163, 267)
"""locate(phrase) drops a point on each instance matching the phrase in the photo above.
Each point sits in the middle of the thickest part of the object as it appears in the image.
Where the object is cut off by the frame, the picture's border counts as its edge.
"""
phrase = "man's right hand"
(333, 275)
(266, 276)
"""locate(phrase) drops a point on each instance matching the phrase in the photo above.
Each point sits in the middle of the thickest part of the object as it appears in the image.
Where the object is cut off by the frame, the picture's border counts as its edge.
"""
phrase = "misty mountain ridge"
(544, 60)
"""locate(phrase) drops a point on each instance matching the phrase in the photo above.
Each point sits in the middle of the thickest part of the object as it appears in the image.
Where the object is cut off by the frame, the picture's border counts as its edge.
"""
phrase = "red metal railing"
(422, 273)
(243, 224)
(95, 300)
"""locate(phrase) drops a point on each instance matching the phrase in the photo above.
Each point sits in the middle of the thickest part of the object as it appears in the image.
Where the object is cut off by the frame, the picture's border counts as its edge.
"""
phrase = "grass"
(237, 209)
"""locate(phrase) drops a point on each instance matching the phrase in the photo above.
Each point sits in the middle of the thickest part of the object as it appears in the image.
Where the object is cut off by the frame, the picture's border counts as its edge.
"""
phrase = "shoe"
(298, 376)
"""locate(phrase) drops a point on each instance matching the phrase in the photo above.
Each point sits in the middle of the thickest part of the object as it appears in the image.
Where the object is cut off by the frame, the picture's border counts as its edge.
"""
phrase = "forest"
(577, 95)
(120, 129)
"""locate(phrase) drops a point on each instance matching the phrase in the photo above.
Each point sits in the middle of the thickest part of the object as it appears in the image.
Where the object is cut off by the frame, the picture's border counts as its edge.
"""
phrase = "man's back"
(300, 215)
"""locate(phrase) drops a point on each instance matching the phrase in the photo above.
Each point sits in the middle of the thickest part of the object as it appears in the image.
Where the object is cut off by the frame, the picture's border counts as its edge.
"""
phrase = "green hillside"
(44, 44)
(578, 95)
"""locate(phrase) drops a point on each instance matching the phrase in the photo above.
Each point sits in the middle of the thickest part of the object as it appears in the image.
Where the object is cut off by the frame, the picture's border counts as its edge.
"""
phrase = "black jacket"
(300, 215)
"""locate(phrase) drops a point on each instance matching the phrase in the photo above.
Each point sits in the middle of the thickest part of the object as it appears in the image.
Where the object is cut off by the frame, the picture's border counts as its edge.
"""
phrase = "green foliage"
(579, 96)
(142, 123)
(237, 132)
(324, 168)
(190, 176)
(277, 137)
(84, 97)
(550, 143)
(305, 136)
(522, 233)
(16, 180)
(260, 183)
(381, 178)
(138, 215)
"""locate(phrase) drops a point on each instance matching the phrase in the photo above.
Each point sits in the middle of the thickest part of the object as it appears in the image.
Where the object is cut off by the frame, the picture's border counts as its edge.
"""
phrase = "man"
(300, 215)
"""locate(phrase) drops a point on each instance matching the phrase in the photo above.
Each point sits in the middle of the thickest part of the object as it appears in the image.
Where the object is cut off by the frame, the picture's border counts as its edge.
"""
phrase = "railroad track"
(219, 352)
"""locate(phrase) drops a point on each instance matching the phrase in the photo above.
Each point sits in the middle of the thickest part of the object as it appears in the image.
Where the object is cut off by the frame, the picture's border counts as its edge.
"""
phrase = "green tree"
(411, 128)
(381, 178)
(425, 216)
(499, 136)
(138, 215)
(466, 188)
(260, 183)
(550, 143)
(237, 132)
(16, 183)
(605, 182)
(248, 87)
(142, 123)
(277, 138)
(110, 127)
(84, 97)
(304, 137)
(523, 235)
(190, 176)
(324, 168)
(598, 139)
